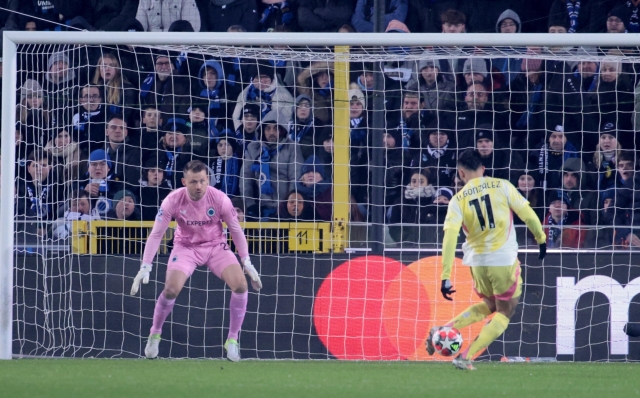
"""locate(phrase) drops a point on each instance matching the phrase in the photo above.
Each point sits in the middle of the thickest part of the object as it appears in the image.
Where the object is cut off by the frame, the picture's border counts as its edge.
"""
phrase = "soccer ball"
(447, 341)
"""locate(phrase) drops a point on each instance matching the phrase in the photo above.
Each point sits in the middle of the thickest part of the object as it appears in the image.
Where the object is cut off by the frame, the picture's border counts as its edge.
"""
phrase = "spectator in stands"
(359, 144)
(153, 188)
(99, 181)
(238, 205)
(604, 158)
(438, 94)
(266, 92)
(424, 16)
(510, 68)
(39, 194)
(157, 16)
(437, 155)
(347, 28)
(175, 150)
(618, 19)
(395, 163)
(560, 215)
(553, 155)
(362, 18)
(626, 168)
(32, 114)
(474, 71)
(316, 82)
(324, 148)
(150, 133)
(604, 235)
(437, 212)
(165, 89)
(124, 156)
(631, 8)
(222, 14)
(106, 15)
(295, 208)
(202, 130)
(527, 93)
(278, 13)
(626, 211)
(89, 122)
(412, 207)
(21, 149)
(583, 16)
(212, 93)
(409, 120)
(503, 163)
(316, 188)
(363, 79)
(453, 21)
(529, 187)
(324, 15)
(119, 95)
(476, 111)
(302, 129)
(576, 186)
(248, 129)
(125, 208)
(271, 168)
(226, 165)
(615, 100)
(77, 209)
(23, 14)
(68, 159)
(60, 85)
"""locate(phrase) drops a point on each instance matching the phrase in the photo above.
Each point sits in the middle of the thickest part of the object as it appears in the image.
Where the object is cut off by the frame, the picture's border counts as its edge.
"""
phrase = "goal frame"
(13, 38)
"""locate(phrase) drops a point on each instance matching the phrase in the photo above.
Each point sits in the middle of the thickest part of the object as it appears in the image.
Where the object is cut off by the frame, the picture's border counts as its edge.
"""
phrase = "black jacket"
(239, 12)
(150, 199)
(324, 15)
(126, 163)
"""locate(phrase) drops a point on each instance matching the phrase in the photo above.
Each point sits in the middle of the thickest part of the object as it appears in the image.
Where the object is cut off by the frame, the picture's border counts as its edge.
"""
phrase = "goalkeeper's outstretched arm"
(151, 248)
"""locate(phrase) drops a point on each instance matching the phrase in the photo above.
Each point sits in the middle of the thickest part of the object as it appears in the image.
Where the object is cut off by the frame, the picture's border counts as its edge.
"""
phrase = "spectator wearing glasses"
(165, 89)
(124, 156)
(618, 19)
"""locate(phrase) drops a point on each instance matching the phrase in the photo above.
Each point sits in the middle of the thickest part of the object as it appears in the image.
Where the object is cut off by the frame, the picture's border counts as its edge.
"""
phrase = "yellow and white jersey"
(484, 210)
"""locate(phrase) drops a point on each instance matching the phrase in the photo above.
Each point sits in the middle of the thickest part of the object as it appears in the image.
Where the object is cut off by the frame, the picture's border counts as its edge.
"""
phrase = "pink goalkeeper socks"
(237, 309)
(162, 311)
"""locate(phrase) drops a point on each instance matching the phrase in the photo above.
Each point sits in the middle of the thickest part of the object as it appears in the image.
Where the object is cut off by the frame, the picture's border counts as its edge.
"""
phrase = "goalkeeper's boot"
(464, 364)
(151, 350)
(429, 343)
(233, 351)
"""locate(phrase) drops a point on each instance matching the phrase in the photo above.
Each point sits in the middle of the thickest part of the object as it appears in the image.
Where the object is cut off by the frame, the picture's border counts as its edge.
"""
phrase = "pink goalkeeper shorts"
(216, 258)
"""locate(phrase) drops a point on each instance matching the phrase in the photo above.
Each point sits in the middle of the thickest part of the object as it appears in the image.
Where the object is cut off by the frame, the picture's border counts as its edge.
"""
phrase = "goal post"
(343, 51)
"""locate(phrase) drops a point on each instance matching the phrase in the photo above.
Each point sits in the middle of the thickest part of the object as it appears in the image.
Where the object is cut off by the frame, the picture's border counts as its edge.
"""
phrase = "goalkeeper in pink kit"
(199, 211)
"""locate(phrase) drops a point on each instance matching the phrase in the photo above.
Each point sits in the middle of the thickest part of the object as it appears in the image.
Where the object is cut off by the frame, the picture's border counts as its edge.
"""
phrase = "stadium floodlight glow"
(367, 47)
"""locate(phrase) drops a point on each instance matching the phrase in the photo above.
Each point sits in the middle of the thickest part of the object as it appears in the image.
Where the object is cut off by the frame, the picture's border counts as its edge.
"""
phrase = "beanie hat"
(100, 155)
(622, 13)
(177, 125)
(475, 65)
(609, 127)
(251, 109)
(230, 137)
(125, 192)
(396, 26)
(155, 163)
(261, 68)
(484, 131)
(312, 164)
(558, 194)
(30, 87)
(355, 94)
(181, 26)
(446, 192)
(55, 57)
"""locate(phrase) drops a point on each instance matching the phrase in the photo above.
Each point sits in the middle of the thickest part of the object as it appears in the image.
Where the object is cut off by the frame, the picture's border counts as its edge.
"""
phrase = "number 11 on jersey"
(487, 202)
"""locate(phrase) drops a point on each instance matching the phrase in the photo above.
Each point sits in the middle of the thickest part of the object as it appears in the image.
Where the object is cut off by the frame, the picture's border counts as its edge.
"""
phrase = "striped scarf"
(573, 10)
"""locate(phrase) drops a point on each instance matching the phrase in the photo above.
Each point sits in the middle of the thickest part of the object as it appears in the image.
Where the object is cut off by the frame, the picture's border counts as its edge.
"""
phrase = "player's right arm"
(452, 224)
(522, 208)
(163, 218)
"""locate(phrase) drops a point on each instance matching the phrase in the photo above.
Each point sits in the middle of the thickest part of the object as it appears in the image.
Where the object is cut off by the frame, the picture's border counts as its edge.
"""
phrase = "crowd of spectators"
(103, 132)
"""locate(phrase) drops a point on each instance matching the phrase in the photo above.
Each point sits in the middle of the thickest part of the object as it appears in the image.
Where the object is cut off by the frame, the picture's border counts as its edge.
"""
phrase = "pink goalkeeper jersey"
(199, 222)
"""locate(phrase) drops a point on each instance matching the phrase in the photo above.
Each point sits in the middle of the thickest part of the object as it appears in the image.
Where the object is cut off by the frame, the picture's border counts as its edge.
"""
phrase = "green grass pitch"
(332, 379)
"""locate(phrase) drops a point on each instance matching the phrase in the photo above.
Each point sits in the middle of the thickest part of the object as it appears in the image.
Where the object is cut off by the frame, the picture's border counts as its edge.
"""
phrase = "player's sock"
(237, 309)
(473, 314)
(488, 334)
(162, 311)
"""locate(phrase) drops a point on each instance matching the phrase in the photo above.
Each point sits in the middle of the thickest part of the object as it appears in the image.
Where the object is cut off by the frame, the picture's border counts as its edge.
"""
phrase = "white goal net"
(341, 162)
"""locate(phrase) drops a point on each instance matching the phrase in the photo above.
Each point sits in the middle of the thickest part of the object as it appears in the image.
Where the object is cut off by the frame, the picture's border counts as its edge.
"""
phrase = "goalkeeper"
(199, 211)
(483, 208)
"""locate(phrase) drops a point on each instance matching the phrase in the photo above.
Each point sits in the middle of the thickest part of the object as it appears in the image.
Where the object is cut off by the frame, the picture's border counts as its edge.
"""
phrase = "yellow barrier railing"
(128, 237)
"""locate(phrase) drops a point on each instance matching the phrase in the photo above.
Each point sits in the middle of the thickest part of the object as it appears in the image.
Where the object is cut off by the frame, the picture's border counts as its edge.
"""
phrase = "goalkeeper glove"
(543, 251)
(447, 289)
(143, 276)
(250, 270)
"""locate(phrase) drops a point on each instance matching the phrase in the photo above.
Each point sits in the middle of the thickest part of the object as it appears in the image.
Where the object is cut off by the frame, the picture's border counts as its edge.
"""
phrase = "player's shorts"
(502, 282)
(216, 258)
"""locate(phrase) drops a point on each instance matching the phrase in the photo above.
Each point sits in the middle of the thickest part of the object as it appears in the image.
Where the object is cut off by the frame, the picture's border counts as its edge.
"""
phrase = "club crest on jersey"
(174, 259)
(211, 212)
